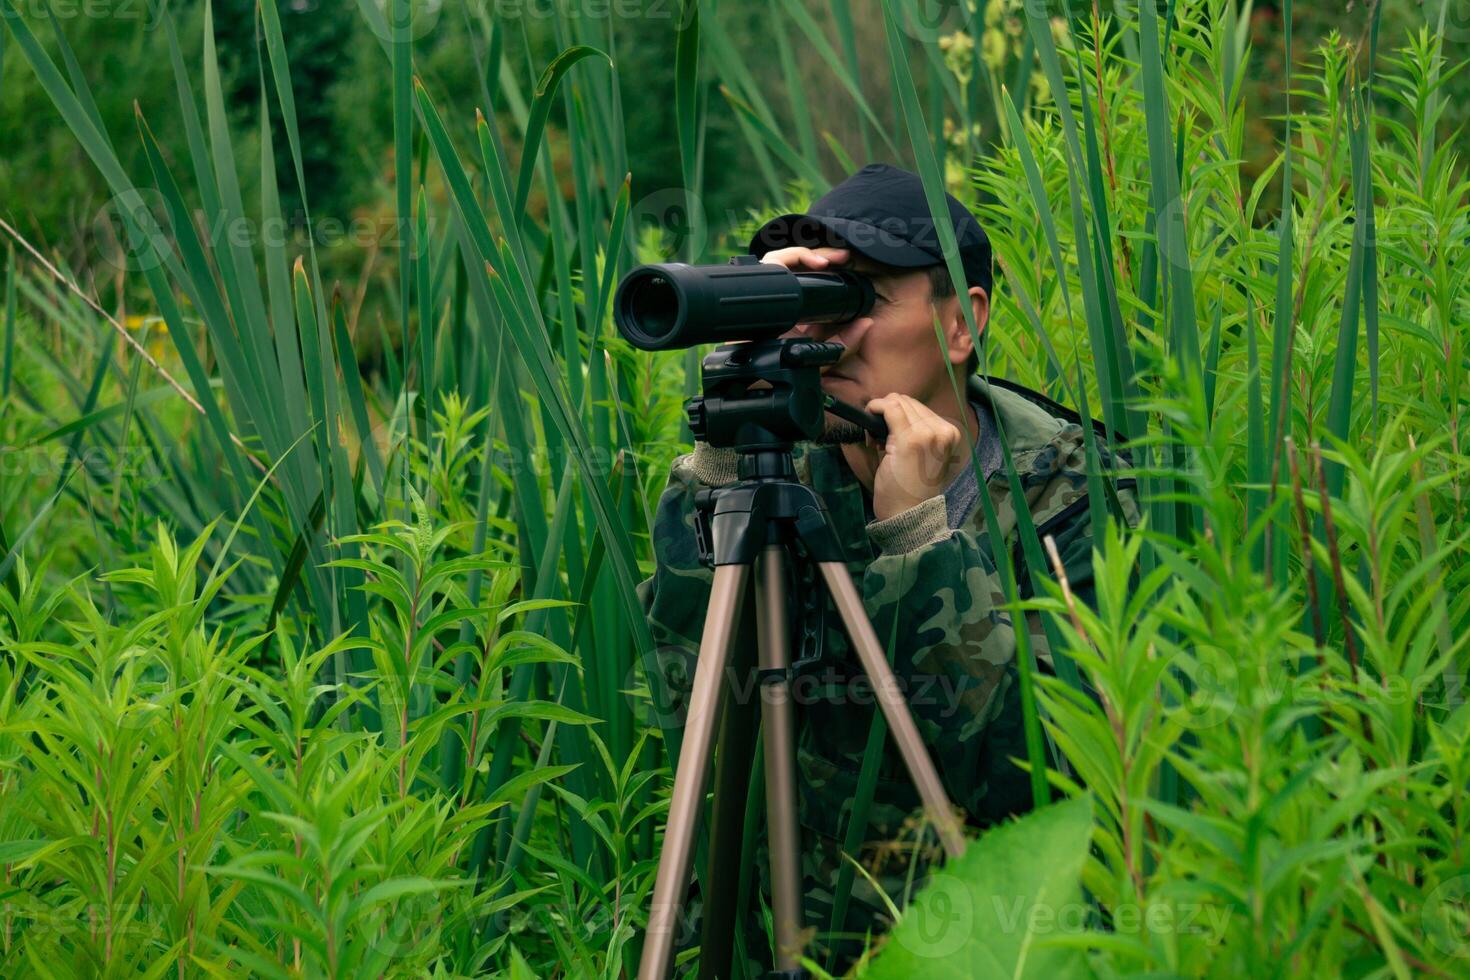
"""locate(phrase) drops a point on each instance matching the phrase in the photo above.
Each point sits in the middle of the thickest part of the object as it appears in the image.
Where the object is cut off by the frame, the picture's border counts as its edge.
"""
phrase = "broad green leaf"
(990, 912)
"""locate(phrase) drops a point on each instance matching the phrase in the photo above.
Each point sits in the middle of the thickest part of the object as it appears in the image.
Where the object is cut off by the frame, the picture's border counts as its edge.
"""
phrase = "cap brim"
(816, 231)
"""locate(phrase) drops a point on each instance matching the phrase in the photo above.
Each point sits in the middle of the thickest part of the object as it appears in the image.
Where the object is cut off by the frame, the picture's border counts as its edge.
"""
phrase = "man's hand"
(798, 257)
(920, 459)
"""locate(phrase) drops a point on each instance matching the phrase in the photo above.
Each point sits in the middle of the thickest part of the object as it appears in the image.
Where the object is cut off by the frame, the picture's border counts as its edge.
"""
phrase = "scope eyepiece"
(673, 304)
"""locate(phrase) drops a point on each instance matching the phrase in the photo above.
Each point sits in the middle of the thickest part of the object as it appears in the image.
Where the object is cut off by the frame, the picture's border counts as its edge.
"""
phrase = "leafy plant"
(397, 720)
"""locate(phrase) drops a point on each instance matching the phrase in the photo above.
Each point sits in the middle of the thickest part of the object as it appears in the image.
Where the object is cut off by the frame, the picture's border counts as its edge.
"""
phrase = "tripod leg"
(778, 723)
(890, 699)
(734, 758)
(727, 596)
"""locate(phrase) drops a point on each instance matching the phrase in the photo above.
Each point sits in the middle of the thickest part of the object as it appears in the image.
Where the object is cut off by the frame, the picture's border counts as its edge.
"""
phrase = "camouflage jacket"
(934, 591)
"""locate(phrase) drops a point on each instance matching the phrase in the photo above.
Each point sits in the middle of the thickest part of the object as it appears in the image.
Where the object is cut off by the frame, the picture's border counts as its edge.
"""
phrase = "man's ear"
(957, 331)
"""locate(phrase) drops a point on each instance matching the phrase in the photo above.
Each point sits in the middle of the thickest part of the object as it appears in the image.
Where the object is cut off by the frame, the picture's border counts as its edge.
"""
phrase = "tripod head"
(763, 396)
(759, 399)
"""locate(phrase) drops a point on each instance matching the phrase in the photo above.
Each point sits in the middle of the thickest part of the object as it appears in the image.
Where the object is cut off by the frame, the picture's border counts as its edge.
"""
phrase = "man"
(910, 516)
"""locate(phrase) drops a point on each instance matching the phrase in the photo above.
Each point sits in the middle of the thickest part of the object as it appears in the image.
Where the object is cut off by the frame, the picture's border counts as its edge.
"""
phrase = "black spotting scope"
(672, 304)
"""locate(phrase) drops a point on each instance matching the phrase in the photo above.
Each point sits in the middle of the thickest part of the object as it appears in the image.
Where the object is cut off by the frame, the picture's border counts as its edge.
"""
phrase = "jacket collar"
(1028, 414)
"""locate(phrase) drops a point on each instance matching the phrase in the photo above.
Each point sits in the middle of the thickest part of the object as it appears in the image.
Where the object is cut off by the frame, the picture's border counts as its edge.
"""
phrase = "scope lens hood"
(650, 308)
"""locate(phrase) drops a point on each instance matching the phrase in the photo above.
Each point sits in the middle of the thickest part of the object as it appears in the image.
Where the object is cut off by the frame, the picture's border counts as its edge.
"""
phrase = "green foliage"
(1001, 909)
(396, 721)
(1322, 821)
(167, 801)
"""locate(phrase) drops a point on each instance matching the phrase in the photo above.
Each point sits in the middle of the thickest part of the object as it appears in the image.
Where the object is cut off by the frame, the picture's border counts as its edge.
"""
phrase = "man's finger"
(915, 422)
(895, 412)
(918, 411)
(896, 406)
(798, 256)
(825, 256)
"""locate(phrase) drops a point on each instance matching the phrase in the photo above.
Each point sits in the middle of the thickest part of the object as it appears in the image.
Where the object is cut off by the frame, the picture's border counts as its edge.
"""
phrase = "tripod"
(758, 399)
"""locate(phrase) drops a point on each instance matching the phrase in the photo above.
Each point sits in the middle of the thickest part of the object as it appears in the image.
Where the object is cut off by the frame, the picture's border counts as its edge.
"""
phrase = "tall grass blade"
(795, 96)
(738, 78)
(1257, 462)
(1048, 227)
(773, 140)
(546, 91)
(292, 392)
(1118, 355)
(844, 70)
(428, 318)
(532, 345)
(1345, 359)
(1115, 374)
(1283, 331)
(933, 182)
(74, 71)
(145, 245)
(8, 365)
(1168, 201)
(400, 45)
(189, 112)
(688, 123)
(236, 265)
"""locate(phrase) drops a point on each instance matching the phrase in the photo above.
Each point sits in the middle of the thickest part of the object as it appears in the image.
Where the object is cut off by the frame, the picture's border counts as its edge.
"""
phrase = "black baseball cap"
(881, 212)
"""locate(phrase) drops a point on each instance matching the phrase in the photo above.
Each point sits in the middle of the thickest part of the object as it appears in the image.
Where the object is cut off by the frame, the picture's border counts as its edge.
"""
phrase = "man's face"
(891, 350)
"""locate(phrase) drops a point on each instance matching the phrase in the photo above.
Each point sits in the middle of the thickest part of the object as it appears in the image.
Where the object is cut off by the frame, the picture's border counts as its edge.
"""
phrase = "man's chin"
(840, 431)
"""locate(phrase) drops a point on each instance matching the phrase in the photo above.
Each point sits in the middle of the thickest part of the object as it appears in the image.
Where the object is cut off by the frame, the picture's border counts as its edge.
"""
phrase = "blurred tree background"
(55, 197)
